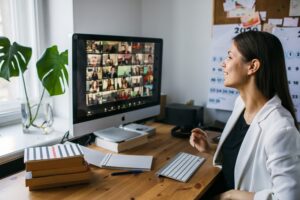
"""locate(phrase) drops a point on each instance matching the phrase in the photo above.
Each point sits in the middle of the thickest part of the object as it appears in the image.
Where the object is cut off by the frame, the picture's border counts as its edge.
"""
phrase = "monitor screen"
(112, 75)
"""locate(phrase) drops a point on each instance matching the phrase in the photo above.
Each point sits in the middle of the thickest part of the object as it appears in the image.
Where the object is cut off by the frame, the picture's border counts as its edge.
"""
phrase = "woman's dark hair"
(271, 78)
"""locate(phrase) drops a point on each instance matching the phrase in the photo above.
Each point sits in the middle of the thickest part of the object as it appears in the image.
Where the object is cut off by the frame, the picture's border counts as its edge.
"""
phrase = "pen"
(127, 172)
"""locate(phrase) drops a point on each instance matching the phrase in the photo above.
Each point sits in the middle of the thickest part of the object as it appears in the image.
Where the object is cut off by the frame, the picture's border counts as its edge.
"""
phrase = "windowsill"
(13, 141)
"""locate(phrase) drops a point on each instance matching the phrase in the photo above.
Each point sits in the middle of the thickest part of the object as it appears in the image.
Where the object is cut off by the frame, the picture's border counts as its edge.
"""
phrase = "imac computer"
(115, 80)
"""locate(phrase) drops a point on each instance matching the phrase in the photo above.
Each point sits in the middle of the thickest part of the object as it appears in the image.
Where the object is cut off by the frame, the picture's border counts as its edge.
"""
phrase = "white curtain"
(19, 22)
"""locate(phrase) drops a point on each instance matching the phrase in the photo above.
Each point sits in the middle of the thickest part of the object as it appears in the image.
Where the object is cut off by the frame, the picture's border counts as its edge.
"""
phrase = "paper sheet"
(294, 8)
(239, 11)
(246, 3)
(275, 21)
(263, 15)
(290, 21)
(229, 5)
(251, 19)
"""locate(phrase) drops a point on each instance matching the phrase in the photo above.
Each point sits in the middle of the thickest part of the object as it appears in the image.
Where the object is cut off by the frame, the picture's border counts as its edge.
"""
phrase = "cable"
(65, 137)
(88, 141)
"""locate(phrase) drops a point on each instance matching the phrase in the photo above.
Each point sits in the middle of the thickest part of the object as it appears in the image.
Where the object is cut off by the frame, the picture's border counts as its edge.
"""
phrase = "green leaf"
(52, 71)
(13, 58)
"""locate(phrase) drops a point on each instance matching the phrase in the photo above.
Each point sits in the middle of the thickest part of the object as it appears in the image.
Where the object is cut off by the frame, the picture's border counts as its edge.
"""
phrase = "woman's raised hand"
(199, 140)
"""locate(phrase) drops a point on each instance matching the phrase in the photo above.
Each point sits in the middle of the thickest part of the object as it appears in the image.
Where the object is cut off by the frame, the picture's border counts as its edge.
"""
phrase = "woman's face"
(235, 69)
(94, 60)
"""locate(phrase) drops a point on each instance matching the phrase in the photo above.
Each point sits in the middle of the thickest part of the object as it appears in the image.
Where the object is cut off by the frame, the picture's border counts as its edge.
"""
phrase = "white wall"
(57, 22)
(185, 27)
(116, 17)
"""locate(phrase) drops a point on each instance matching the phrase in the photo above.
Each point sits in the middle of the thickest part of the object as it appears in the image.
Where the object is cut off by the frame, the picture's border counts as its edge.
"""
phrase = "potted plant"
(51, 70)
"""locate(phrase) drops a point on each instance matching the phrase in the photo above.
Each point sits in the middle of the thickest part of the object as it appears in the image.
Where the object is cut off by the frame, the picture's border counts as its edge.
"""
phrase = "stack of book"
(53, 166)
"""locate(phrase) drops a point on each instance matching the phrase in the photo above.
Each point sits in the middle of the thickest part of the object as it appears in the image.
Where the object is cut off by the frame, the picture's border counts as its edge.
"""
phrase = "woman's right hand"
(199, 140)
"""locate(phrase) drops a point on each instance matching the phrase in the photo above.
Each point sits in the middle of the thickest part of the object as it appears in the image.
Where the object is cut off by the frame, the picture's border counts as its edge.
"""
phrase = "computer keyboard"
(181, 167)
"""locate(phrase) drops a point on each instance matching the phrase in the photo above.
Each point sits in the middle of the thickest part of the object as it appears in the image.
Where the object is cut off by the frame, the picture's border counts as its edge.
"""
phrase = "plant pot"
(37, 117)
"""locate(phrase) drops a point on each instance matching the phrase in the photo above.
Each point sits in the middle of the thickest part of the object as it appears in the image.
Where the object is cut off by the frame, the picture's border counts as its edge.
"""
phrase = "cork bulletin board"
(274, 9)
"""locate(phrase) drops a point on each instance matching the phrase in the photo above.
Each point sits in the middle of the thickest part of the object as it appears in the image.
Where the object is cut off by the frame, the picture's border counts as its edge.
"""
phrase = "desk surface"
(141, 186)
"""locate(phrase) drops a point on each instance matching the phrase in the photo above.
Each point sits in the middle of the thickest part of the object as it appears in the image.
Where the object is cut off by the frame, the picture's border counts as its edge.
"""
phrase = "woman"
(124, 83)
(110, 85)
(259, 149)
(94, 60)
(94, 87)
(94, 75)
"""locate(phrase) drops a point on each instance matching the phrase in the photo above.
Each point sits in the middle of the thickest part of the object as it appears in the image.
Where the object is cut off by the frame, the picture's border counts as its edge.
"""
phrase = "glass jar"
(37, 116)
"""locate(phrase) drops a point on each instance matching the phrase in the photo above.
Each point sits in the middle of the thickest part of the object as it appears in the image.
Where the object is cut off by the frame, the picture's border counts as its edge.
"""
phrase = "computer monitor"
(115, 80)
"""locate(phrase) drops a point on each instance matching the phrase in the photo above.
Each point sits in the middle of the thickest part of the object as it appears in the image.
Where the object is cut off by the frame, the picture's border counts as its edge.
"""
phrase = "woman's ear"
(254, 66)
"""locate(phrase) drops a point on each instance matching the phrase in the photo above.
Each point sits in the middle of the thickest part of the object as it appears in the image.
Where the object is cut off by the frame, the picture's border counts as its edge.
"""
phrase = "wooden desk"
(141, 186)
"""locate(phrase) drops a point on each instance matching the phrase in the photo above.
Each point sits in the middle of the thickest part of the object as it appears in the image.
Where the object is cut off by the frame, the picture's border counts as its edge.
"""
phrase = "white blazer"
(268, 162)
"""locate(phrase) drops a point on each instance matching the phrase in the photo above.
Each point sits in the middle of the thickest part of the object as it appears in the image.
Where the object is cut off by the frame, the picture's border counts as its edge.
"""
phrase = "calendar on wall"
(290, 39)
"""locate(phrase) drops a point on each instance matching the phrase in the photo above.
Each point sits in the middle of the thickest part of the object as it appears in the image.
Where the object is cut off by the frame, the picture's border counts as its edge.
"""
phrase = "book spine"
(39, 187)
(56, 179)
(60, 171)
(54, 163)
(122, 146)
(132, 143)
(112, 146)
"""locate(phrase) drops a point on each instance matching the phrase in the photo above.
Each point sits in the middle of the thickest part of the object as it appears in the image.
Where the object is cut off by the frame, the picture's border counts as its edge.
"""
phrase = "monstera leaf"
(13, 58)
(52, 71)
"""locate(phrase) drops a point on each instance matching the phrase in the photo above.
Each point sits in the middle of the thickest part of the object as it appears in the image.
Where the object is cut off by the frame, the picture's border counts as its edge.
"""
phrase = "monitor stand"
(143, 129)
(115, 134)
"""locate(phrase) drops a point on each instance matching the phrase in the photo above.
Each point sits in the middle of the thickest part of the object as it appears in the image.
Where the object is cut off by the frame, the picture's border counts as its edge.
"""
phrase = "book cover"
(53, 157)
(59, 171)
(56, 180)
(121, 146)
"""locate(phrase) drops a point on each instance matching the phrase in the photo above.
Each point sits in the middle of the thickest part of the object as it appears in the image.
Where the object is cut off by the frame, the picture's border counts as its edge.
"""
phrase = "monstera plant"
(51, 70)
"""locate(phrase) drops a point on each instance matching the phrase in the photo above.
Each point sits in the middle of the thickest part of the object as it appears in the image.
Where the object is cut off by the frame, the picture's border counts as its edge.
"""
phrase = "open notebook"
(117, 161)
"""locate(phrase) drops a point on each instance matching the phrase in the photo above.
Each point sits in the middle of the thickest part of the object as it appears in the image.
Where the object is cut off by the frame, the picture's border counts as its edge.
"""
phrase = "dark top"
(231, 148)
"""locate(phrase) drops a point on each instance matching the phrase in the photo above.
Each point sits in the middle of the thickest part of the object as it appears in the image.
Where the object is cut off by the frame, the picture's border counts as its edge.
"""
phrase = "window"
(17, 22)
